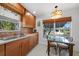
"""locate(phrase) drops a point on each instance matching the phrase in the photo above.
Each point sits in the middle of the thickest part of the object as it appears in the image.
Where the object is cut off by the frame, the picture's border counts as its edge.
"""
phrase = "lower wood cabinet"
(35, 39)
(13, 49)
(2, 51)
(24, 46)
(31, 42)
(19, 47)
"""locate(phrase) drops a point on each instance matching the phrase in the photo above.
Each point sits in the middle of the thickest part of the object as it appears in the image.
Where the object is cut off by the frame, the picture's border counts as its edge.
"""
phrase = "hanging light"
(56, 13)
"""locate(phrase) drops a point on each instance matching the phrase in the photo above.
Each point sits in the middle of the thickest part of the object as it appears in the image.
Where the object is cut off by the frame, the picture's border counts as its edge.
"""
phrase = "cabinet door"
(32, 21)
(2, 50)
(31, 42)
(13, 49)
(28, 21)
(25, 22)
(35, 39)
(25, 46)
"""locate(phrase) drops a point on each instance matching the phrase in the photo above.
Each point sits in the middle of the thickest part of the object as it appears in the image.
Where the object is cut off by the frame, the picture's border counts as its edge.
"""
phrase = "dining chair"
(63, 46)
(51, 44)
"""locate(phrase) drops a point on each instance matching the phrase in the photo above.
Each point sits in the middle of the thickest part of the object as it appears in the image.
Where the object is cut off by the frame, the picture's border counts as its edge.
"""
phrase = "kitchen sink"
(11, 37)
(7, 38)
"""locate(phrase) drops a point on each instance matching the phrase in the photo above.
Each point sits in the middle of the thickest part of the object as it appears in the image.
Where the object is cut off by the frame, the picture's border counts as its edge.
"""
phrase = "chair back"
(69, 38)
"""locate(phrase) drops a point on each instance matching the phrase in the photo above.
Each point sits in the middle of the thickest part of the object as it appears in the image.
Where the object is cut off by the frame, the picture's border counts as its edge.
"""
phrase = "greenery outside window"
(6, 25)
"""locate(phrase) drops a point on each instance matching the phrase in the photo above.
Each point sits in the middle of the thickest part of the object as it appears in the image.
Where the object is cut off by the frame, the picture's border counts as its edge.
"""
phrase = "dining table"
(60, 39)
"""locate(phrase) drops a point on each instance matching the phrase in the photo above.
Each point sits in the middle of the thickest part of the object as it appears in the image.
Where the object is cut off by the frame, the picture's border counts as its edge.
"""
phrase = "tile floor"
(40, 50)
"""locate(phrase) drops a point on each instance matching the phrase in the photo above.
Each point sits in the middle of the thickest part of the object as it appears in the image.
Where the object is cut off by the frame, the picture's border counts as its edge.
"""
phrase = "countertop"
(13, 39)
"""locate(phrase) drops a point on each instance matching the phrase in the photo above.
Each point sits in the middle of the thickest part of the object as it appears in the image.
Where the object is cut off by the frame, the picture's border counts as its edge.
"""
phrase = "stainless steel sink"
(7, 38)
(11, 37)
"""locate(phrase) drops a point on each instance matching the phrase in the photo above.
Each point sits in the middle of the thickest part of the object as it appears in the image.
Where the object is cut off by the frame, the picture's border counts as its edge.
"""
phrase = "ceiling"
(43, 10)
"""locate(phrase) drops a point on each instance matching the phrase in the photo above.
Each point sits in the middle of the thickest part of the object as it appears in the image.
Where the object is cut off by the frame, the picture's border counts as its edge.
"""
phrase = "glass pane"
(6, 25)
(47, 28)
(59, 25)
(62, 30)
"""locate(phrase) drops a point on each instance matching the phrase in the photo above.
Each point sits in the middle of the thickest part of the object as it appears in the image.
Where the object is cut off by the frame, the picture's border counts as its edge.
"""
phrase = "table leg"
(48, 49)
(70, 50)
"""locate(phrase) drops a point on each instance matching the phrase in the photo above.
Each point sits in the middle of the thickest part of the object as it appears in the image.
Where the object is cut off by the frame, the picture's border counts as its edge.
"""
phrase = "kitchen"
(17, 25)
(29, 29)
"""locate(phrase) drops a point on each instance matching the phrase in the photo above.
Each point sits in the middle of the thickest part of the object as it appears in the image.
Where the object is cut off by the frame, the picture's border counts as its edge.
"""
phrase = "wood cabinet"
(13, 49)
(28, 21)
(33, 41)
(32, 21)
(2, 51)
(19, 47)
(24, 46)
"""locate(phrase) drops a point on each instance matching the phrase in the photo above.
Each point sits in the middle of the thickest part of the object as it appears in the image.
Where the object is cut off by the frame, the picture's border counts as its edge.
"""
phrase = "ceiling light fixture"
(34, 12)
(56, 13)
(28, 13)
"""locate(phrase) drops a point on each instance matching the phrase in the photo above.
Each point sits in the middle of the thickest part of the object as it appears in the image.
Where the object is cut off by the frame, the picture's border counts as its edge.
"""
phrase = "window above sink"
(9, 21)
(8, 24)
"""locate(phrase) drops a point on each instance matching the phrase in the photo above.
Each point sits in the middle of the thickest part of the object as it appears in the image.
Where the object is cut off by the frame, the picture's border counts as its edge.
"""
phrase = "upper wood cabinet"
(15, 7)
(28, 21)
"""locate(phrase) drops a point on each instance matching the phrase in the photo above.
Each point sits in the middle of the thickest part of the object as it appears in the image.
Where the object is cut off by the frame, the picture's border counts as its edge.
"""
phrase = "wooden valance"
(63, 19)
(18, 8)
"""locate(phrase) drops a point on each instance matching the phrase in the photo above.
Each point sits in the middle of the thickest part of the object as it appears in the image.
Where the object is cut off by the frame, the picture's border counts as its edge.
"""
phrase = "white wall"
(74, 13)
(40, 31)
